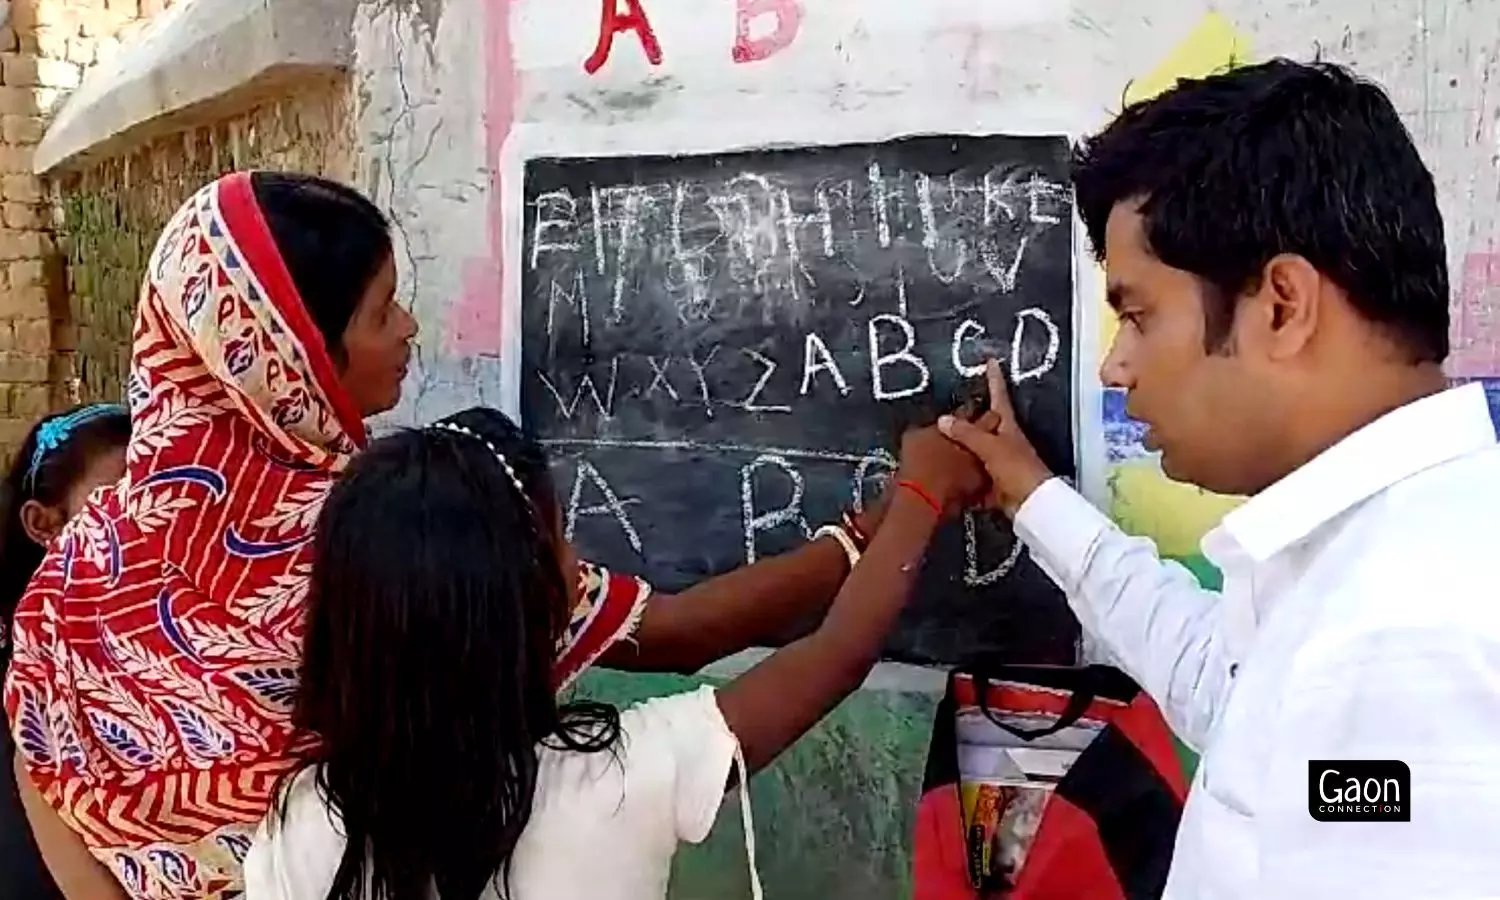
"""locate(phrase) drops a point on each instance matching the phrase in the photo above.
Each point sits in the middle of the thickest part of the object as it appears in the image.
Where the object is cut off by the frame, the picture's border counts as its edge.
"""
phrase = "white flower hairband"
(504, 463)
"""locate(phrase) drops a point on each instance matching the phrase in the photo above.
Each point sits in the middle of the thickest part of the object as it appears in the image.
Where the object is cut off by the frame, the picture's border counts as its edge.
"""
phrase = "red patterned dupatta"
(156, 651)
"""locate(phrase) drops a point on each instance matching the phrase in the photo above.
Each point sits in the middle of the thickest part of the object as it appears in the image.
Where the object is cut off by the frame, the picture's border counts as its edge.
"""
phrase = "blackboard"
(720, 352)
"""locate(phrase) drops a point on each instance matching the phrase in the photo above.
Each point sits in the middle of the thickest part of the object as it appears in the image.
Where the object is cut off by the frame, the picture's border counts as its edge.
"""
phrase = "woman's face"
(377, 345)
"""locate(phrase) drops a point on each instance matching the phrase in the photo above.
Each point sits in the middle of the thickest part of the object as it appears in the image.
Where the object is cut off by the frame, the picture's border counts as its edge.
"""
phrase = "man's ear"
(1292, 290)
(41, 523)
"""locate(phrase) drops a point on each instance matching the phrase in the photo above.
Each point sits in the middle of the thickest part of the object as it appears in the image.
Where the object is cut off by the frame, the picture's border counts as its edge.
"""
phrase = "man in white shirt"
(1275, 256)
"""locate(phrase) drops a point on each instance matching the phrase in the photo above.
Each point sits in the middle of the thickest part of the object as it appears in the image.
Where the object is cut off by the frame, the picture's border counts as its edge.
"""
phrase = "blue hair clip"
(55, 432)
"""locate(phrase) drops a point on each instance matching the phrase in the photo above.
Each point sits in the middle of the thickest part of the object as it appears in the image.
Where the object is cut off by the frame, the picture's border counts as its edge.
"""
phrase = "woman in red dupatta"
(156, 652)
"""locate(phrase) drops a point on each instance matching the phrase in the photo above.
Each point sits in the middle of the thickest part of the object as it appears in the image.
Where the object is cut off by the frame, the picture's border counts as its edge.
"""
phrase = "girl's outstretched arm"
(747, 607)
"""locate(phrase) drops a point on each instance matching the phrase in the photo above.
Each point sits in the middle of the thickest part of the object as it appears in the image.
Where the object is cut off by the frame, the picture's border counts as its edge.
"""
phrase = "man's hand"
(952, 478)
(996, 439)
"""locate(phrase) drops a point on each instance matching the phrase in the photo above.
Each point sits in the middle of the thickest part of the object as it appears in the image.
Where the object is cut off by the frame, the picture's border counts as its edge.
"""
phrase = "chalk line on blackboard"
(716, 447)
(699, 370)
(972, 576)
(959, 333)
(903, 306)
(862, 474)
(878, 203)
(605, 404)
(930, 233)
(791, 513)
(749, 404)
(879, 361)
(659, 376)
(813, 346)
(598, 231)
(698, 300)
(1005, 277)
(1049, 355)
(628, 224)
(612, 504)
(545, 223)
(578, 299)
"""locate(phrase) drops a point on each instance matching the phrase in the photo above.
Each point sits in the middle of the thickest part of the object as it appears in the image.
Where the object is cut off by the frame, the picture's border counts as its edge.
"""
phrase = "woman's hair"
(436, 607)
(333, 241)
(55, 455)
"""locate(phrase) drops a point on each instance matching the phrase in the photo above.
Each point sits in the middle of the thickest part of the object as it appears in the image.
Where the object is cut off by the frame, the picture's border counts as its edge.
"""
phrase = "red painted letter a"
(612, 22)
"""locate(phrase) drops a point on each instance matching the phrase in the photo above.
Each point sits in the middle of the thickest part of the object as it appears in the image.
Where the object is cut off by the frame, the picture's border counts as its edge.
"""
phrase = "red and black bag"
(1071, 789)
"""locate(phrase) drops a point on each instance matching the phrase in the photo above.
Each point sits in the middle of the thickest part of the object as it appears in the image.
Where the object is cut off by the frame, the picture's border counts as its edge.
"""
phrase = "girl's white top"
(603, 826)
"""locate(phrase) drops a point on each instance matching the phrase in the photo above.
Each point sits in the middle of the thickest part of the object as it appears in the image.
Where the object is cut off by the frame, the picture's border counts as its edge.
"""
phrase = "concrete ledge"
(191, 61)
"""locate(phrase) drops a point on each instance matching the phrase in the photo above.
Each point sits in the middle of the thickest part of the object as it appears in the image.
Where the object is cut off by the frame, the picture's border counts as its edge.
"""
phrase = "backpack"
(1047, 783)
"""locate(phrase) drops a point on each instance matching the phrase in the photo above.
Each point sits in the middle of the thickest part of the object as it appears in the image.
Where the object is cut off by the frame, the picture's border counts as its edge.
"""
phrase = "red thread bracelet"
(937, 508)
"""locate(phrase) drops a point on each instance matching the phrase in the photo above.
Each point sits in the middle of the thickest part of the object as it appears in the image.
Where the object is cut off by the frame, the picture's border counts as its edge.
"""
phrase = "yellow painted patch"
(1175, 515)
(1212, 46)
(1109, 326)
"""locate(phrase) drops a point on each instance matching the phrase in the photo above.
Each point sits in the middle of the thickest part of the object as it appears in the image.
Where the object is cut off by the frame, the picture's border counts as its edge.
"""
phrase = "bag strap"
(1079, 700)
(747, 820)
(1078, 703)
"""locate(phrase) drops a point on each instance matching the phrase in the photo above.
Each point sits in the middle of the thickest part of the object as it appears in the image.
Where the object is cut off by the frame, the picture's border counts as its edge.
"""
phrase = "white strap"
(748, 820)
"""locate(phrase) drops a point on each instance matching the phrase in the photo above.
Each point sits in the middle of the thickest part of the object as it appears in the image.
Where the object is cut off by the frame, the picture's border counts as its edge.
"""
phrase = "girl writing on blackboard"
(447, 766)
(160, 641)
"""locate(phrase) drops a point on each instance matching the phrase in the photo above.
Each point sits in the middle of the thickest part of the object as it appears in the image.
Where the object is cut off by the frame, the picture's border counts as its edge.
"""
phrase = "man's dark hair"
(1280, 157)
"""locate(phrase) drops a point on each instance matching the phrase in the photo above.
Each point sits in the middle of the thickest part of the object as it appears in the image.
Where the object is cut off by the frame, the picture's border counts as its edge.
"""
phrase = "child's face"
(43, 523)
(106, 468)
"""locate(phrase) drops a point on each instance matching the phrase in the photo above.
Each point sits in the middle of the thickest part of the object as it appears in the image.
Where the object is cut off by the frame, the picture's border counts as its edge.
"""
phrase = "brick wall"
(73, 247)
(44, 50)
(112, 212)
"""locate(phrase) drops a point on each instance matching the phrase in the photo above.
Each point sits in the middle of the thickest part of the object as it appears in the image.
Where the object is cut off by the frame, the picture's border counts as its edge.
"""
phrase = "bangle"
(851, 527)
(842, 538)
(920, 492)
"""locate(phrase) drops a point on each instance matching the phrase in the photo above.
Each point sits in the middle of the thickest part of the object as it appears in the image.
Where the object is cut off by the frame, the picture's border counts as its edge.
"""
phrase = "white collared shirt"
(1360, 619)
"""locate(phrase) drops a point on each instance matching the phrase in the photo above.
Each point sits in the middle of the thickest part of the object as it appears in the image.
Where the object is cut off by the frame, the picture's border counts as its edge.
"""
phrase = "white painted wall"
(452, 103)
(420, 91)
(453, 94)
(433, 91)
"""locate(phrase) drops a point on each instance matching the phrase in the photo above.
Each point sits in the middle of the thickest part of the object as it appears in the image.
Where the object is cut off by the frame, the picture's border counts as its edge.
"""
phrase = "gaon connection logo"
(1359, 790)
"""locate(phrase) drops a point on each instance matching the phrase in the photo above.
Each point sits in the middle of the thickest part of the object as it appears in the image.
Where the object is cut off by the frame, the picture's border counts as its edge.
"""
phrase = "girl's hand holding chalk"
(996, 439)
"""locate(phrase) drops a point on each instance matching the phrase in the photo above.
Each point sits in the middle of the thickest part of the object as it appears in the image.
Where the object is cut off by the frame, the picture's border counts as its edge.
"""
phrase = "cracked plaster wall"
(423, 156)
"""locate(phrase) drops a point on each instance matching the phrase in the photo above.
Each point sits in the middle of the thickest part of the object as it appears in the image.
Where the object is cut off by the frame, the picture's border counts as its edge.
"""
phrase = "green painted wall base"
(833, 816)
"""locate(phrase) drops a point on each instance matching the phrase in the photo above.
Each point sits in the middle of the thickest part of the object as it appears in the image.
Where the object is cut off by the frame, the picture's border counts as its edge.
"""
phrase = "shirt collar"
(1399, 444)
